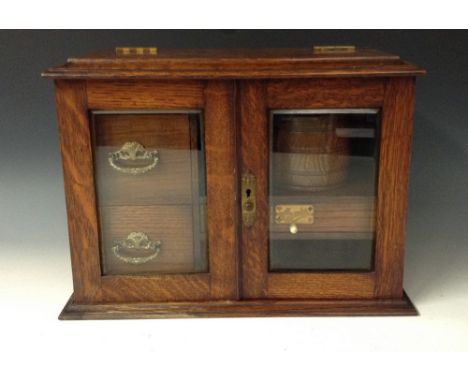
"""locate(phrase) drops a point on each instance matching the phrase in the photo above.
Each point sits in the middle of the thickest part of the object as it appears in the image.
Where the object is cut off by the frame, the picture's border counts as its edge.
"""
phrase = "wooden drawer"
(145, 158)
(170, 230)
(337, 217)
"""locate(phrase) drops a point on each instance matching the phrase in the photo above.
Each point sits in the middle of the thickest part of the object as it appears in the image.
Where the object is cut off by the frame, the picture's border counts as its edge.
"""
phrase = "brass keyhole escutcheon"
(248, 199)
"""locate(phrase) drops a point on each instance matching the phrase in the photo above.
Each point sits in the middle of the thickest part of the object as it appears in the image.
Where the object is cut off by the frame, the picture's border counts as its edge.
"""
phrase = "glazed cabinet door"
(148, 165)
(324, 183)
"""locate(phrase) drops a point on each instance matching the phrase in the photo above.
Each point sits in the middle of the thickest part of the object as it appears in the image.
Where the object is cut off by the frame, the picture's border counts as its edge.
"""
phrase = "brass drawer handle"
(136, 242)
(133, 158)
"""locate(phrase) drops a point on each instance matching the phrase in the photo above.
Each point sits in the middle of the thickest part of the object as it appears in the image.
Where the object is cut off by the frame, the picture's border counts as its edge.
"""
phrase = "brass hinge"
(136, 51)
(334, 49)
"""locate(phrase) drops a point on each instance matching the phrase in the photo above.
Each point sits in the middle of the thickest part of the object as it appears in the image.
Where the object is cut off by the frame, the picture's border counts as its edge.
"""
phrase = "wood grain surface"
(145, 94)
(155, 287)
(90, 285)
(234, 91)
(253, 124)
(331, 214)
(246, 308)
(325, 93)
(235, 64)
(222, 178)
(77, 160)
(395, 157)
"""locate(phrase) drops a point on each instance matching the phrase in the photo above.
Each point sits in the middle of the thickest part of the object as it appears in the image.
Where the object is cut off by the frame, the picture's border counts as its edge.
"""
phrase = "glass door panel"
(322, 189)
(151, 189)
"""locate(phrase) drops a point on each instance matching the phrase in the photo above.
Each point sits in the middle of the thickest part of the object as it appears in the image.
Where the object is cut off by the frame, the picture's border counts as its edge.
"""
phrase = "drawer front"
(324, 217)
(149, 239)
(144, 158)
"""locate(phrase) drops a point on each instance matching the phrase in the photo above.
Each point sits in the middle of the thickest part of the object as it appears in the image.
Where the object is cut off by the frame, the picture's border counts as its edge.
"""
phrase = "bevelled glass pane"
(323, 182)
(151, 192)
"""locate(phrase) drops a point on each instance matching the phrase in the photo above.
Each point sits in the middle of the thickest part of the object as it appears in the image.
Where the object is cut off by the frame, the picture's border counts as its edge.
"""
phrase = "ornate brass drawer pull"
(136, 242)
(133, 158)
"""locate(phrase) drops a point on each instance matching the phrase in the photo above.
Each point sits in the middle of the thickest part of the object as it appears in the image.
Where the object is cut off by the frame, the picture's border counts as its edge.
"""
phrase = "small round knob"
(293, 228)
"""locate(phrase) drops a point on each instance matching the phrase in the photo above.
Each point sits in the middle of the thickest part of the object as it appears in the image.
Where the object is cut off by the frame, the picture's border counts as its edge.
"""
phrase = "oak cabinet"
(236, 183)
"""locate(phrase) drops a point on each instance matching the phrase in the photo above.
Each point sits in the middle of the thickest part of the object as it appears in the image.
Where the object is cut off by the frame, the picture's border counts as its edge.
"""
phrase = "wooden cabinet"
(236, 183)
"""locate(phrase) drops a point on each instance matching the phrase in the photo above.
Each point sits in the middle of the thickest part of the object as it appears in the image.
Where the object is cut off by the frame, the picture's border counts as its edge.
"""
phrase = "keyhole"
(248, 192)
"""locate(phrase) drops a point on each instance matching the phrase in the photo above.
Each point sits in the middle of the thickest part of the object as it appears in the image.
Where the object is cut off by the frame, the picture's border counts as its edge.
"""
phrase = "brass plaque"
(294, 214)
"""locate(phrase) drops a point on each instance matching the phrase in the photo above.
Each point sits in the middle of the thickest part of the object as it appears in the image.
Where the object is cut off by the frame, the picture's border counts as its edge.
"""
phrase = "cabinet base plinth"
(244, 308)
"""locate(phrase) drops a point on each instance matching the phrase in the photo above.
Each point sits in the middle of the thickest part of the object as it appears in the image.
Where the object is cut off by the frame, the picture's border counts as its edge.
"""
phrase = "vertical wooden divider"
(222, 175)
(253, 122)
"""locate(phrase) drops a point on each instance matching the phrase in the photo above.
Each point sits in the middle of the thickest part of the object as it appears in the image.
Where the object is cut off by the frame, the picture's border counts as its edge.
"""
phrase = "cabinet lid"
(313, 62)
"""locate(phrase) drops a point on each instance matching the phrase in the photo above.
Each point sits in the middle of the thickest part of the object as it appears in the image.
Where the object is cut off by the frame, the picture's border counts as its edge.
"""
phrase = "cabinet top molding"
(313, 62)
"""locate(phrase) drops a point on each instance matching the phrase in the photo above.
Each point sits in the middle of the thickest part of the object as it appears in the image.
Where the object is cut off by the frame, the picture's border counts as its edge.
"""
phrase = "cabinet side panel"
(75, 140)
(221, 167)
(254, 154)
(395, 156)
